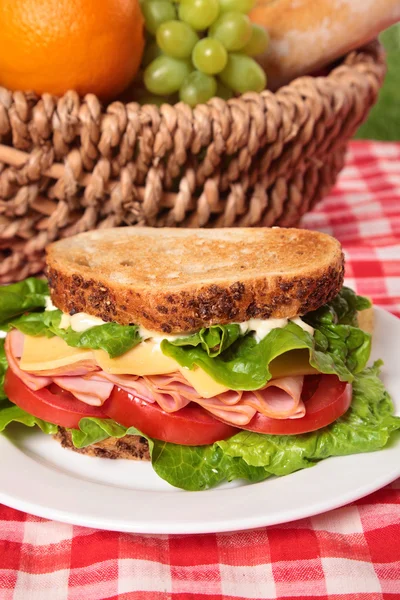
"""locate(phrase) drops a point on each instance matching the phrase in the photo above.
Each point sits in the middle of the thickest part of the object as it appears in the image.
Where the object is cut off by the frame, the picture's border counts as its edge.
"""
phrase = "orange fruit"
(91, 46)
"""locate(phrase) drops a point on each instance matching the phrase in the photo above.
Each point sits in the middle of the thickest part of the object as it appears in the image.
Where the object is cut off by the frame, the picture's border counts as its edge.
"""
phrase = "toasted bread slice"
(179, 280)
(132, 447)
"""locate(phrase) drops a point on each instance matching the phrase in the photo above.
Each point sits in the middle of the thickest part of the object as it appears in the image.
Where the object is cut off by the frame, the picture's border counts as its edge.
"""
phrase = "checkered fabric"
(352, 553)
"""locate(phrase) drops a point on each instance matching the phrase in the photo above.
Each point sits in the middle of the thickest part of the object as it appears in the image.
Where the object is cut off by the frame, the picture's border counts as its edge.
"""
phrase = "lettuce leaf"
(92, 431)
(213, 340)
(337, 332)
(36, 323)
(343, 309)
(21, 297)
(113, 338)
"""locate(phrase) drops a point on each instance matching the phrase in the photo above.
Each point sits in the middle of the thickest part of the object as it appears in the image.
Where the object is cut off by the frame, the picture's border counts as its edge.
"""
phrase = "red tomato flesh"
(50, 404)
(189, 426)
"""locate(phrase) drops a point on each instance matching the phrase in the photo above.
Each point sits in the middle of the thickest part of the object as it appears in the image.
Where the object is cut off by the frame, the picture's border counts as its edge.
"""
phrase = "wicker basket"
(261, 159)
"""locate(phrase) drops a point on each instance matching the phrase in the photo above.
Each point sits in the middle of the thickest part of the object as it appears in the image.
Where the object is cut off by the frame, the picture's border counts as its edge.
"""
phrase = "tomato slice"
(326, 399)
(50, 404)
(189, 426)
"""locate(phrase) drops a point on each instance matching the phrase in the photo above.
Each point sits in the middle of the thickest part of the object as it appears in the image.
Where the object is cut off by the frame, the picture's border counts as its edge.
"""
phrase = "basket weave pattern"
(67, 165)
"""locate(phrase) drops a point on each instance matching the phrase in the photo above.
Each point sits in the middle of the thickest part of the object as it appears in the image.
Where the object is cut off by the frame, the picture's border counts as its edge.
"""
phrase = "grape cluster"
(201, 48)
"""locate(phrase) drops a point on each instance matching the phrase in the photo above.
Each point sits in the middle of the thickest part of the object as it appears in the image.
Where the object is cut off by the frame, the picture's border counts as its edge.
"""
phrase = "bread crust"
(132, 447)
(200, 302)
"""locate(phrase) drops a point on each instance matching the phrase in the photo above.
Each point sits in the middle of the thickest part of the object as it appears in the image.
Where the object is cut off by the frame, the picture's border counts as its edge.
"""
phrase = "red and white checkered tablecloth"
(352, 553)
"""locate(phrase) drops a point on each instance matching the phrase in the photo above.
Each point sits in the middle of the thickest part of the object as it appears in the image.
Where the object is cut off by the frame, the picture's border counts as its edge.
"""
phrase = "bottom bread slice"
(132, 447)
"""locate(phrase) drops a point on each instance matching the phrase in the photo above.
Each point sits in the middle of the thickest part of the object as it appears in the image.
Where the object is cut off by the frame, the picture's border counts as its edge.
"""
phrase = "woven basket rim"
(338, 76)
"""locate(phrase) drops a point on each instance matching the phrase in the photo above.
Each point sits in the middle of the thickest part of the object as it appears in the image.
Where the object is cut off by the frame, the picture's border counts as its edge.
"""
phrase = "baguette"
(307, 35)
(179, 280)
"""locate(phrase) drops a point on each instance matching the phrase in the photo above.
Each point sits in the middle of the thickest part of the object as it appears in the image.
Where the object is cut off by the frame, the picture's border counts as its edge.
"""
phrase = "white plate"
(39, 477)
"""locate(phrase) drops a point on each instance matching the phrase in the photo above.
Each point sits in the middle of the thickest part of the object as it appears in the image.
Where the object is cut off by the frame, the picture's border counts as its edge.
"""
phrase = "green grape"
(176, 39)
(199, 14)
(151, 52)
(156, 12)
(209, 56)
(232, 29)
(242, 6)
(258, 42)
(243, 74)
(165, 75)
(223, 92)
(197, 88)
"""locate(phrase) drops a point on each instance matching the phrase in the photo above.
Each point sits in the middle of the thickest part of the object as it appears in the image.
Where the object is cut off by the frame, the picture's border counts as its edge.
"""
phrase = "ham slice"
(92, 391)
(170, 399)
(273, 401)
(279, 399)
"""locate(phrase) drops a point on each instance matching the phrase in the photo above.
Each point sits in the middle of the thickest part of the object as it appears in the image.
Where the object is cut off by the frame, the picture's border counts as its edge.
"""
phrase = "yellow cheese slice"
(44, 354)
(204, 385)
(144, 359)
(294, 362)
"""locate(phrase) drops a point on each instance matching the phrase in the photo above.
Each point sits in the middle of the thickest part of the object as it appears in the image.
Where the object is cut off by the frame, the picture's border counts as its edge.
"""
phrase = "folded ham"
(87, 389)
(279, 399)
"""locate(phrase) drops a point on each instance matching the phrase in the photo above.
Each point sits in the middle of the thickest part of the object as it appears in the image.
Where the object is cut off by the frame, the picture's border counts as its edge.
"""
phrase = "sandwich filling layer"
(147, 373)
(212, 368)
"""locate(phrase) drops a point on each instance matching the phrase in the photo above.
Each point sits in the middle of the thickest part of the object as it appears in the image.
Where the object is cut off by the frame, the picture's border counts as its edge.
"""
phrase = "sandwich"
(217, 354)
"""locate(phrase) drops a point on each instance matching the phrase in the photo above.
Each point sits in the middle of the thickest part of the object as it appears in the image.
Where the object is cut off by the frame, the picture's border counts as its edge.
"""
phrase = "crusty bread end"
(179, 280)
